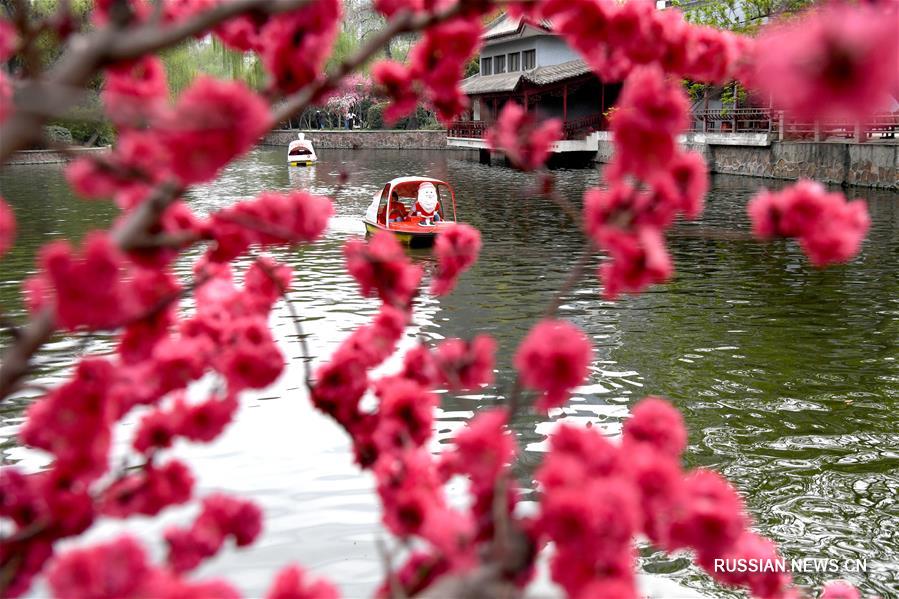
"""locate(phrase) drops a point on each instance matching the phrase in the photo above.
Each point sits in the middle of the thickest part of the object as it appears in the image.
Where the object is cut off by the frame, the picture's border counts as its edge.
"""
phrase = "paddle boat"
(415, 209)
(300, 152)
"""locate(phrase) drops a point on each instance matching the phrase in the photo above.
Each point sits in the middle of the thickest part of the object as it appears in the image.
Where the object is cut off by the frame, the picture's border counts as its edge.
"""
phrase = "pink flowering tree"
(596, 497)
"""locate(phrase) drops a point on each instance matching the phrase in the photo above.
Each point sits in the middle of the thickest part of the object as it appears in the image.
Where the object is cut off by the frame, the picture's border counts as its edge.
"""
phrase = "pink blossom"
(6, 97)
(295, 44)
(485, 447)
(829, 229)
(637, 261)
(396, 79)
(840, 61)
(73, 421)
(751, 548)
(135, 92)
(9, 40)
(438, 60)
(243, 32)
(221, 517)
(840, 589)
(456, 249)
(712, 518)
(127, 173)
(110, 570)
(655, 421)
(684, 184)
(293, 582)
(212, 123)
(339, 385)
(554, 358)
(419, 365)
(405, 413)
(149, 491)
(526, 143)
(7, 227)
(711, 55)
(419, 572)
(266, 281)
(372, 344)
(466, 364)
(652, 109)
(105, 303)
(251, 358)
(382, 268)
(268, 220)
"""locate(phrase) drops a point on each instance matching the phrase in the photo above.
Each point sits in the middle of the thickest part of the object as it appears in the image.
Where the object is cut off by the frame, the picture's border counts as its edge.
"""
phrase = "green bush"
(422, 118)
(375, 115)
(58, 134)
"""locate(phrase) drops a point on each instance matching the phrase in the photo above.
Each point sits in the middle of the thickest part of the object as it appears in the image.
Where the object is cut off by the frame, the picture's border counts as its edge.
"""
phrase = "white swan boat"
(300, 152)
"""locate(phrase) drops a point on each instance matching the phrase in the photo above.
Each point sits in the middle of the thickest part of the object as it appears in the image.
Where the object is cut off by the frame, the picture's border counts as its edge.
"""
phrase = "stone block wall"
(420, 139)
(874, 164)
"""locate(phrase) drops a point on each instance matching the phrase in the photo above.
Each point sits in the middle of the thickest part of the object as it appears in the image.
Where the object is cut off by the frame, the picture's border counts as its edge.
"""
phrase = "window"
(514, 62)
(486, 66)
(529, 59)
(499, 64)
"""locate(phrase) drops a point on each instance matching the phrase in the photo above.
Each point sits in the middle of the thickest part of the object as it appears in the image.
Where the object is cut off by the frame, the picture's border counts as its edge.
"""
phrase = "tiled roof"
(486, 84)
(507, 82)
(557, 72)
(506, 25)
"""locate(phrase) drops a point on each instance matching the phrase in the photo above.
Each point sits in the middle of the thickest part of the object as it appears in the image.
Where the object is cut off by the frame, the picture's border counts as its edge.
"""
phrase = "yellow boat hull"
(410, 239)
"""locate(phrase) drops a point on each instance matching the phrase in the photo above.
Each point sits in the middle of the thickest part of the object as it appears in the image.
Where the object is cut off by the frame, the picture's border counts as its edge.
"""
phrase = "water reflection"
(787, 375)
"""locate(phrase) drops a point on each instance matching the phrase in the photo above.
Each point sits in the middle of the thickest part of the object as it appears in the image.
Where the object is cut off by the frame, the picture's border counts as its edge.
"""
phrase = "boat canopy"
(408, 187)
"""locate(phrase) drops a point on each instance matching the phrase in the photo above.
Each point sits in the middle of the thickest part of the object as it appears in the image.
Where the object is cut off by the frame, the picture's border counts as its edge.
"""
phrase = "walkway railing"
(468, 129)
(582, 127)
(881, 126)
(572, 129)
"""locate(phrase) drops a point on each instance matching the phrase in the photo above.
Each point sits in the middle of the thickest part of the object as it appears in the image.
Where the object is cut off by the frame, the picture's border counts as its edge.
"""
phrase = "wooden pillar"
(817, 130)
(526, 101)
(602, 99)
(565, 103)
(781, 122)
(860, 135)
(705, 110)
(734, 128)
(495, 112)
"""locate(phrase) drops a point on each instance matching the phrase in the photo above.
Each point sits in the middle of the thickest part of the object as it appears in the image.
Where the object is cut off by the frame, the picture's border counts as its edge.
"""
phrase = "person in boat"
(398, 212)
(427, 205)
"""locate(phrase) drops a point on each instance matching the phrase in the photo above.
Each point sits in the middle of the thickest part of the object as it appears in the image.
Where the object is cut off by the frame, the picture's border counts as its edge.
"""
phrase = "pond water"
(787, 375)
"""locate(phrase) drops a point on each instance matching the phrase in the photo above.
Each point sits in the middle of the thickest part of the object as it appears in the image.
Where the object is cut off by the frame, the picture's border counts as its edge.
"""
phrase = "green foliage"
(744, 16)
(422, 118)
(209, 56)
(473, 67)
(375, 115)
(58, 134)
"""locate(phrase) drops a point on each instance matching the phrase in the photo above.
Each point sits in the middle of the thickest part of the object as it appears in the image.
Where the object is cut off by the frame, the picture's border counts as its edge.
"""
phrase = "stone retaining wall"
(418, 139)
(48, 156)
(874, 164)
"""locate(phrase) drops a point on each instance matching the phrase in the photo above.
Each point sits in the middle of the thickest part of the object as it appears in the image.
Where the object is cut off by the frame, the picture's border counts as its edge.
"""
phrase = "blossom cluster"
(829, 229)
(651, 181)
(161, 352)
(596, 497)
(839, 62)
(526, 144)
(7, 227)
(436, 64)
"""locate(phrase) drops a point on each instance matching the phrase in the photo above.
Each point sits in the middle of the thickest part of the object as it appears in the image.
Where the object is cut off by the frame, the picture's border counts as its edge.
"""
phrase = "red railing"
(584, 126)
(881, 126)
(469, 129)
(573, 129)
